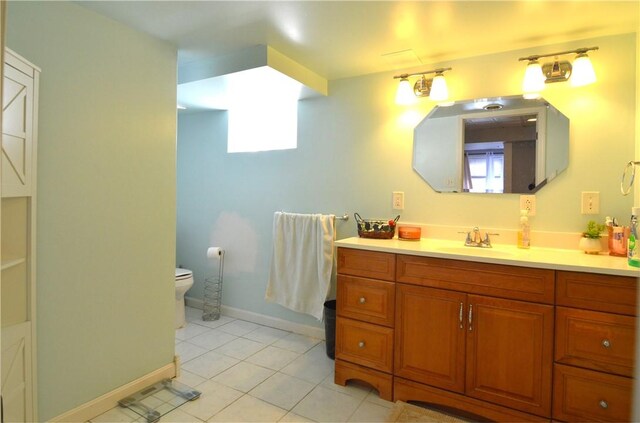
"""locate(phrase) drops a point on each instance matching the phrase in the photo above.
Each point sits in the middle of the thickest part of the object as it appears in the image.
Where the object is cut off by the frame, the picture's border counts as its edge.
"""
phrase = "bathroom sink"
(477, 251)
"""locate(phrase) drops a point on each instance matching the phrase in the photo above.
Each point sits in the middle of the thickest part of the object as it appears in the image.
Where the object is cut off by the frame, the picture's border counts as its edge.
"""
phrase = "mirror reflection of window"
(484, 167)
(501, 151)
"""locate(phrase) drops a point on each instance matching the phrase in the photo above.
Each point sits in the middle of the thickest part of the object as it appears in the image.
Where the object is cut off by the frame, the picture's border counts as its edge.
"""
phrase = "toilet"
(184, 281)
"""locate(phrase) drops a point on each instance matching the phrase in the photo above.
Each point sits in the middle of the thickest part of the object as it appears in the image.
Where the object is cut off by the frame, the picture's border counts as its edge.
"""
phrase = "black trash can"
(330, 327)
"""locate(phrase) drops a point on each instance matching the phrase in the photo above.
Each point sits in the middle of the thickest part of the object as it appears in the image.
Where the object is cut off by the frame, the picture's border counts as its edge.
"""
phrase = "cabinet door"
(510, 353)
(430, 336)
(17, 369)
(17, 123)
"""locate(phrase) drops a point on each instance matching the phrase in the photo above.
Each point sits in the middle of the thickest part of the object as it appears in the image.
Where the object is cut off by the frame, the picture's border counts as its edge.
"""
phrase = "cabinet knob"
(361, 344)
(606, 343)
(604, 404)
(362, 300)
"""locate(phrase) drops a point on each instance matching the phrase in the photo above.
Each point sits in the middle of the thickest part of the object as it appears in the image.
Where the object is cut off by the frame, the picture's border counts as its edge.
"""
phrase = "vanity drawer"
(513, 282)
(369, 264)
(366, 299)
(599, 341)
(585, 395)
(614, 294)
(365, 344)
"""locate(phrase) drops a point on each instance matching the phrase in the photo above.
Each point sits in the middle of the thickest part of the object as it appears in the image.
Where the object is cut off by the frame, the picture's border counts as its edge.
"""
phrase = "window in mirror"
(484, 167)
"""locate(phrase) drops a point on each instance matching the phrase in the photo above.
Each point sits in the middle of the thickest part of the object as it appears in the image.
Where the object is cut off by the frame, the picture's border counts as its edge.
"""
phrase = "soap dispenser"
(524, 231)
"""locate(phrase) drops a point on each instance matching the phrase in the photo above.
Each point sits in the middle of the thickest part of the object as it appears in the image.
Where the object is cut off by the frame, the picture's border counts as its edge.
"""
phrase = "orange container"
(410, 233)
(618, 236)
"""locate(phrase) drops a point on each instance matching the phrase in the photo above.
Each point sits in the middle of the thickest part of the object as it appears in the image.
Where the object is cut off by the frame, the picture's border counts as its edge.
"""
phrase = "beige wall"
(106, 200)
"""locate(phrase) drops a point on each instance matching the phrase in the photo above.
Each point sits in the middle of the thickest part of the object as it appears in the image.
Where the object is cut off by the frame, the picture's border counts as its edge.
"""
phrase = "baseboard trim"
(263, 319)
(109, 400)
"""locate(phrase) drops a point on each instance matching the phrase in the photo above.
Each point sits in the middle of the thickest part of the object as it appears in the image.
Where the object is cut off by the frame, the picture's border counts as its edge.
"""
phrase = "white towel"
(301, 261)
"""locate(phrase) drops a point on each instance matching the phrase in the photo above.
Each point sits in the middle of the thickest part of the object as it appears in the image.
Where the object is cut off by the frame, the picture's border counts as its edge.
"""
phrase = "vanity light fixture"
(536, 75)
(435, 88)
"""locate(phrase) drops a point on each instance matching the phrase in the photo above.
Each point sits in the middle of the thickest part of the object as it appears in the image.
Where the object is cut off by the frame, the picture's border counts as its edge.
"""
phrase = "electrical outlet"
(528, 202)
(398, 200)
(590, 202)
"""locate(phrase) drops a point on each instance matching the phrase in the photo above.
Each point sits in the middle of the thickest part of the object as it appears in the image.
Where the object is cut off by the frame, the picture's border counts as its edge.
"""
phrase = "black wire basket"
(375, 228)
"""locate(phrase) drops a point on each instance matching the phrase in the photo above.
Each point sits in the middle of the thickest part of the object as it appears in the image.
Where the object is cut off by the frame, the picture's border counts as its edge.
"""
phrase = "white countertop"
(545, 258)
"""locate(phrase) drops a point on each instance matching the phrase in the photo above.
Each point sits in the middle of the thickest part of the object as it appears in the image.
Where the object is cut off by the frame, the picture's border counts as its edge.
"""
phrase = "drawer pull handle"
(470, 317)
(362, 300)
(604, 404)
(606, 343)
(461, 316)
(361, 344)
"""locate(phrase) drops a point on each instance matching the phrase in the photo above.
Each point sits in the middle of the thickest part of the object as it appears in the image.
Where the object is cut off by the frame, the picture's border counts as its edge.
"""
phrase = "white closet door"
(17, 270)
(16, 373)
(17, 124)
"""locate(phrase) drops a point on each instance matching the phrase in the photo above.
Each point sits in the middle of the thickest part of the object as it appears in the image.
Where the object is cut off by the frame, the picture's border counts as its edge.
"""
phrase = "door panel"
(430, 336)
(509, 353)
(17, 118)
(16, 373)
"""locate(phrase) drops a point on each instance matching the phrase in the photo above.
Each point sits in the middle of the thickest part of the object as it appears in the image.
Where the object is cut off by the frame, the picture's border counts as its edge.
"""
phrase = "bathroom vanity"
(504, 334)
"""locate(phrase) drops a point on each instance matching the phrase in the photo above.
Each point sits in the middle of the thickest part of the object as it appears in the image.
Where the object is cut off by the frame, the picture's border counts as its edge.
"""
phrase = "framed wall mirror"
(495, 145)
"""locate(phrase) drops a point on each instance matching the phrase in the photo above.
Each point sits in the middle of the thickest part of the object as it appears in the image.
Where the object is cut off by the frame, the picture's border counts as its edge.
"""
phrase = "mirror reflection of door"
(500, 154)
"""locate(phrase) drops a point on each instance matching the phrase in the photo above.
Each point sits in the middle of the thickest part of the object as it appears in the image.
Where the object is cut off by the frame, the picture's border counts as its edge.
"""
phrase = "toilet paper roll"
(214, 252)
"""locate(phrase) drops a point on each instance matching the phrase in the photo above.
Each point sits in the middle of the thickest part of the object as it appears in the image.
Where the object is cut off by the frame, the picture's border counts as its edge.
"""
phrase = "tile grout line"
(315, 385)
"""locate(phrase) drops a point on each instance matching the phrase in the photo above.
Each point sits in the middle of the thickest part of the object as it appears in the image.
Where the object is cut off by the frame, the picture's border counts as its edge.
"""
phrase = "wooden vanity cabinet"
(594, 353)
(365, 319)
(497, 350)
(491, 340)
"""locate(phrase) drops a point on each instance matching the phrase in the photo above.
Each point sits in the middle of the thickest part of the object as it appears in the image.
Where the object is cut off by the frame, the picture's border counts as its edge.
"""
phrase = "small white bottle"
(524, 231)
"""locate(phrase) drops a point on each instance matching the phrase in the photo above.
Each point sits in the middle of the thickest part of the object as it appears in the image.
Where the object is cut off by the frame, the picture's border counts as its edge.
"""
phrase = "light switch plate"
(398, 200)
(590, 202)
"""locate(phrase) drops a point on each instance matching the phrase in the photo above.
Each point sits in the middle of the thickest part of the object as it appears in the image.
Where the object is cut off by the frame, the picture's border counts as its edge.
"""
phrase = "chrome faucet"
(474, 239)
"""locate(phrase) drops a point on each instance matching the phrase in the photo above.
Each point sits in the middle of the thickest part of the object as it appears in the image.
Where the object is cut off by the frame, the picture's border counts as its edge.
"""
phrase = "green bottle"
(633, 247)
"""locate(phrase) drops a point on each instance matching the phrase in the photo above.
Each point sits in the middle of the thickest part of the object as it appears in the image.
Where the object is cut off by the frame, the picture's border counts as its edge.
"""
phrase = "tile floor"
(252, 373)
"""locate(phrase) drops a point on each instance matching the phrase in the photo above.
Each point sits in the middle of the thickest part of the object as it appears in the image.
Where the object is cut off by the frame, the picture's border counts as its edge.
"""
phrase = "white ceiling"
(338, 39)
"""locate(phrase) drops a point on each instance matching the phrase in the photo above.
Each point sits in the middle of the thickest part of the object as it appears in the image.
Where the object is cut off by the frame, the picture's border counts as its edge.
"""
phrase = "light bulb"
(404, 95)
(439, 91)
(583, 73)
(533, 82)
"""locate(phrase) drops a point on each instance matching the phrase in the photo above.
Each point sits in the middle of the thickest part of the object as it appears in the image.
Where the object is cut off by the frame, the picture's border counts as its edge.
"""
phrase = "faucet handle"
(487, 241)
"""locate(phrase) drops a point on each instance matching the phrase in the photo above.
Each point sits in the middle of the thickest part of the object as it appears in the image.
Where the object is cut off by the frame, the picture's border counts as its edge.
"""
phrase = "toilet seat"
(182, 274)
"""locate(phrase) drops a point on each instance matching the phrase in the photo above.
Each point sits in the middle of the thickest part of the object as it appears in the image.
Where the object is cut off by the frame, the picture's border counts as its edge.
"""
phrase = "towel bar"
(343, 217)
